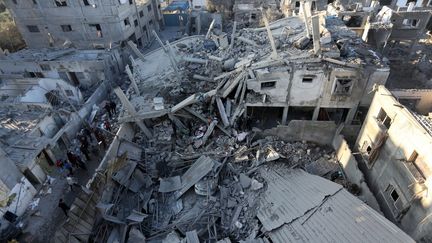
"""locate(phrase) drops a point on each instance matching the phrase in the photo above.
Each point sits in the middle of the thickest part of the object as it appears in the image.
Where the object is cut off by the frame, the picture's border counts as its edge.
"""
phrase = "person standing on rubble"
(87, 133)
(75, 160)
(72, 182)
(100, 137)
(65, 208)
(108, 108)
(107, 125)
(113, 107)
(84, 148)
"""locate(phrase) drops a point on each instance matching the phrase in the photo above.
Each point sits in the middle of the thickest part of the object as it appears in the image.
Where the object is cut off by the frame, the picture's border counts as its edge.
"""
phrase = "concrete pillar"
(350, 117)
(132, 79)
(270, 35)
(285, 115)
(129, 107)
(305, 19)
(316, 113)
(316, 34)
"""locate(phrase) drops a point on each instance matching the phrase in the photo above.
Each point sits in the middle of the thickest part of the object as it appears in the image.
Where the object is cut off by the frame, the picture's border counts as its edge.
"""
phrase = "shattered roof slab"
(300, 207)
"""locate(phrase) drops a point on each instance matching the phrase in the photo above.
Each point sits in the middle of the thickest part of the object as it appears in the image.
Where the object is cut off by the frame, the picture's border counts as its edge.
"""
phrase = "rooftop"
(20, 136)
(57, 55)
(300, 207)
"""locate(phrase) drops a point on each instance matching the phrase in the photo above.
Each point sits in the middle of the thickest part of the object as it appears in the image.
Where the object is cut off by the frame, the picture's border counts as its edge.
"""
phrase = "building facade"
(85, 23)
(394, 150)
(81, 68)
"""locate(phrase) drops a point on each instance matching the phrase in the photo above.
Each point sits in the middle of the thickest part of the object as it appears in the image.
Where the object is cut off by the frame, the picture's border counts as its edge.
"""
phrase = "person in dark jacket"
(65, 208)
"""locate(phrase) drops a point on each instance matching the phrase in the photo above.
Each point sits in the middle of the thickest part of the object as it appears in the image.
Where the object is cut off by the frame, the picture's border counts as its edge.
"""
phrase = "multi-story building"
(81, 68)
(85, 23)
(394, 151)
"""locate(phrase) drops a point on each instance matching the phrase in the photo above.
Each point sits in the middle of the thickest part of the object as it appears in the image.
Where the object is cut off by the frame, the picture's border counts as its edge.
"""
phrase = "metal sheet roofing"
(300, 207)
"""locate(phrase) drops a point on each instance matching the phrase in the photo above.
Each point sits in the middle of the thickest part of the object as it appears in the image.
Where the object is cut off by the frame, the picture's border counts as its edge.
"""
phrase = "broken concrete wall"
(125, 132)
(9, 174)
(422, 99)
(23, 192)
(352, 171)
(409, 25)
(292, 7)
(37, 94)
(307, 87)
(376, 77)
(278, 82)
(399, 173)
(86, 68)
(320, 132)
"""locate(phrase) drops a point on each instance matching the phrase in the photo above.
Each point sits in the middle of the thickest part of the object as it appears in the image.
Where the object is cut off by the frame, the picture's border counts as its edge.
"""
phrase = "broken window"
(34, 2)
(343, 86)
(33, 28)
(97, 29)
(126, 22)
(14, 1)
(136, 22)
(308, 79)
(149, 7)
(394, 195)
(385, 2)
(410, 23)
(36, 74)
(297, 4)
(418, 168)
(383, 118)
(394, 200)
(131, 2)
(313, 6)
(60, 3)
(268, 85)
(45, 67)
(253, 15)
(150, 22)
(66, 28)
(141, 13)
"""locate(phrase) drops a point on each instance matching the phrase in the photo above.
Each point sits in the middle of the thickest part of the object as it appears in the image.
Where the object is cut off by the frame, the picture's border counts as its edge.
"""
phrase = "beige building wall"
(396, 155)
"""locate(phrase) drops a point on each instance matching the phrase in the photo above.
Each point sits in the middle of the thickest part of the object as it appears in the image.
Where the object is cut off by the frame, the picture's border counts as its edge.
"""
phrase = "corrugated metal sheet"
(339, 217)
(198, 170)
(290, 194)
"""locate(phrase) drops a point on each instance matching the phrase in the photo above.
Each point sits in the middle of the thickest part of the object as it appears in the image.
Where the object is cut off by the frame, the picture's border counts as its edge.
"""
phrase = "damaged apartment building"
(324, 81)
(394, 149)
(185, 165)
(392, 27)
(81, 68)
(86, 23)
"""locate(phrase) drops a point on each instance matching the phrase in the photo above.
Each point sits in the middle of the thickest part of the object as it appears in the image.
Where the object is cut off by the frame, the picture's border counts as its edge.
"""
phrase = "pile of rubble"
(184, 186)
(194, 166)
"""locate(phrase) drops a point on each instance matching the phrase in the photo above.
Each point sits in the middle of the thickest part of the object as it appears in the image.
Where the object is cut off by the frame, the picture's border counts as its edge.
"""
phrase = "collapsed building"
(86, 24)
(394, 153)
(393, 27)
(186, 164)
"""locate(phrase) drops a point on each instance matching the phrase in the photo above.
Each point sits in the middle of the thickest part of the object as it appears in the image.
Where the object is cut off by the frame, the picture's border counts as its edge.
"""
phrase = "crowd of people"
(90, 140)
